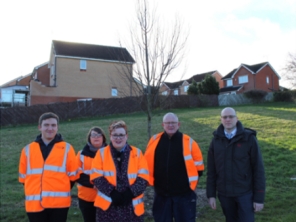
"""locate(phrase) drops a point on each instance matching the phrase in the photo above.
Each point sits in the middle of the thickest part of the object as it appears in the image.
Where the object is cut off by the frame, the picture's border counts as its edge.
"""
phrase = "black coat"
(235, 167)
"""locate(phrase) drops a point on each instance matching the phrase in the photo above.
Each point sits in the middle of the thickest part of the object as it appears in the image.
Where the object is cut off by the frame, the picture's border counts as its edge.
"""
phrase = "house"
(15, 92)
(77, 71)
(260, 76)
(181, 87)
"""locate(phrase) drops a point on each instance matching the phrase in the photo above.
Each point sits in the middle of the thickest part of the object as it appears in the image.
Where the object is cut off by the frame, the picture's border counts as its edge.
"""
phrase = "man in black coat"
(235, 170)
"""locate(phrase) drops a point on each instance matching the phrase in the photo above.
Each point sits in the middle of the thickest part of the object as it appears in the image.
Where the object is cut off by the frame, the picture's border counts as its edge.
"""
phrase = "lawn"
(275, 124)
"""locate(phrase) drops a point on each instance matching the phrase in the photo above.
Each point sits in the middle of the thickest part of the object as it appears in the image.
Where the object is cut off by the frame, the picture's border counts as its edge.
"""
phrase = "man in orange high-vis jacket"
(48, 169)
(175, 164)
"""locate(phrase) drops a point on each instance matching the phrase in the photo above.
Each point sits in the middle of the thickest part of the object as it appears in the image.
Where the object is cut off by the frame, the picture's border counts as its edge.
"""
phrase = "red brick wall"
(43, 75)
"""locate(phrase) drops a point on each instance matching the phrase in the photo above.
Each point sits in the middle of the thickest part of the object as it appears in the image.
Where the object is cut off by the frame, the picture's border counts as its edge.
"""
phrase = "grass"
(275, 124)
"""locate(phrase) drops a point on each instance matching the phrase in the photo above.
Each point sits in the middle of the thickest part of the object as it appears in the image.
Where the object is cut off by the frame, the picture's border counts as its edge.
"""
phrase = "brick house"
(181, 87)
(260, 76)
(79, 71)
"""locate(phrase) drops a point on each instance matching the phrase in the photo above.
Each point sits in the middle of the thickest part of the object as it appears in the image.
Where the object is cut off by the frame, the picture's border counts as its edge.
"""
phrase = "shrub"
(283, 96)
(255, 95)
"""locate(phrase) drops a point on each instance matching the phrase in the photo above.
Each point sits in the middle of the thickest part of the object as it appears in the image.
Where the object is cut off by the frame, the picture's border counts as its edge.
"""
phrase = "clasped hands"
(121, 198)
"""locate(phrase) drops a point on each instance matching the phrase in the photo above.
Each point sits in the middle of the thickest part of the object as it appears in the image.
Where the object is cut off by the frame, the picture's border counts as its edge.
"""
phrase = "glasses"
(95, 135)
(230, 117)
(119, 136)
(170, 123)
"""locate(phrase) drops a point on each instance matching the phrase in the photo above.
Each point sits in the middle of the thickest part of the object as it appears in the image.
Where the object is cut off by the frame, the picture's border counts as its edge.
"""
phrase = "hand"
(127, 196)
(117, 198)
(212, 202)
(258, 207)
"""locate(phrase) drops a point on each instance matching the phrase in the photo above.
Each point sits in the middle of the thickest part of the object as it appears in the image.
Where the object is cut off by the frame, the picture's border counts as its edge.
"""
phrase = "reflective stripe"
(188, 157)
(55, 194)
(22, 175)
(33, 197)
(97, 171)
(88, 172)
(194, 178)
(132, 175)
(190, 144)
(143, 171)
(139, 152)
(137, 201)
(105, 197)
(154, 136)
(108, 173)
(61, 169)
(198, 163)
(74, 173)
(102, 153)
(81, 157)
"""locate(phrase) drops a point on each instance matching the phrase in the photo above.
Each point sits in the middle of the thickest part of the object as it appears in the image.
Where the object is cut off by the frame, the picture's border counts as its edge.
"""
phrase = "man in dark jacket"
(235, 169)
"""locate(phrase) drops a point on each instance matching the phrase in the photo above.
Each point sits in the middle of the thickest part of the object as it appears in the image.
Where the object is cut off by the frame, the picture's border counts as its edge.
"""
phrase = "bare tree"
(158, 49)
(290, 70)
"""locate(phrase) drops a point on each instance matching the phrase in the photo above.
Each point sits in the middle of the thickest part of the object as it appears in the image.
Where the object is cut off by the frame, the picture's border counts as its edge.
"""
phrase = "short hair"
(117, 124)
(97, 130)
(48, 115)
(170, 114)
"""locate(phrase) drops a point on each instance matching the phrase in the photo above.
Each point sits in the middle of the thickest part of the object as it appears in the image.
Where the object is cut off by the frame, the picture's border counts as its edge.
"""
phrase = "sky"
(223, 34)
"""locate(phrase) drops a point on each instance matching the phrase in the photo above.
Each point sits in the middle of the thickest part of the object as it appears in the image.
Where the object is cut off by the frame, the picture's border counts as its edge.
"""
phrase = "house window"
(82, 65)
(242, 79)
(186, 88)
(267, 79)
(176, 92)
(113, 92)
(164, 93)
(229, 82)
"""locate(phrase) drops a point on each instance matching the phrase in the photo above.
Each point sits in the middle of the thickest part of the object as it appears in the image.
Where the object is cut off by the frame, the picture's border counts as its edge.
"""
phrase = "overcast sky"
(223, 34)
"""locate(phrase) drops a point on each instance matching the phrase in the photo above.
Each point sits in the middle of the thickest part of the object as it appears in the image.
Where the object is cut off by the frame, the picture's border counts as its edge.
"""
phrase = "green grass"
(275, 124)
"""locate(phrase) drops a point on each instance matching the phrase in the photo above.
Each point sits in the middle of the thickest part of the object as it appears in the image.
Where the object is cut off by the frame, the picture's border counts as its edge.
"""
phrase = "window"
(267, 79)
(164, 93)
(229, 82)
(113, 92)
(176, 92)
(82, 65)
(186, 88)
(242, 79)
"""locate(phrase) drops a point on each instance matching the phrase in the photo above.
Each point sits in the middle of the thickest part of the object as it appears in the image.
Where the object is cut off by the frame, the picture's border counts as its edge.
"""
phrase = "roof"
(230, 88)
(199, 77)
(173, 85)
(252, 68)
(110, 53)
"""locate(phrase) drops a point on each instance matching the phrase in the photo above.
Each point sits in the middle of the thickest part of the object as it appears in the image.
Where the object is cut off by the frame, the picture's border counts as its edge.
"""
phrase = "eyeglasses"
(230, 117)
(95, 135)
(170, 123)
(120, 136)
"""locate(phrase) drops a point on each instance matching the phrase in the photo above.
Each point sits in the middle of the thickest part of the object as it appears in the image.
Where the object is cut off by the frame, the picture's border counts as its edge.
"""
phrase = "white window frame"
(114, 92)
(229, 82)
(186, 88)
(164, 93)
(176, 92)
(267, 79)
(243, 79)
(83, 64)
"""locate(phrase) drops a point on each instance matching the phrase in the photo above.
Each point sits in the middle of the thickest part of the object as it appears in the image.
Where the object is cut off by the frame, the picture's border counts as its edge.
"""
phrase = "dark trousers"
(49, 215)
(238, 209)
(182, 208)
(88, 210)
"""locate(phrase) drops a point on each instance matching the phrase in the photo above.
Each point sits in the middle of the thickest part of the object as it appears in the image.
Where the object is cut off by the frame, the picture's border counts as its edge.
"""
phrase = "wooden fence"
(100, 107)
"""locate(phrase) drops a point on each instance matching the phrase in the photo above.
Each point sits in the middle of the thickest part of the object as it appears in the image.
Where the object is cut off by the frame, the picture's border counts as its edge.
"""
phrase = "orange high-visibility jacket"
(47, 184)
(85, 193)
(103, 166)
(192, 157)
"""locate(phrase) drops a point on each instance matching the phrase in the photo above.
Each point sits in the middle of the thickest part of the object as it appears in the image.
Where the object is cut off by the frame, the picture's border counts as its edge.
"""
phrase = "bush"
(255, 95)
(283, 96)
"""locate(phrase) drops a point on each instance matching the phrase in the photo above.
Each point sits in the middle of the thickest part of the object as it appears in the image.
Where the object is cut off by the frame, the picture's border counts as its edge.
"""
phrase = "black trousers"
(49, 215)
(88, 210)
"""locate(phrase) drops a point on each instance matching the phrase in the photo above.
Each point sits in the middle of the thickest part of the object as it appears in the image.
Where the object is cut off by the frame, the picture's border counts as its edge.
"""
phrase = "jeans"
(238, 209)
(182, 208)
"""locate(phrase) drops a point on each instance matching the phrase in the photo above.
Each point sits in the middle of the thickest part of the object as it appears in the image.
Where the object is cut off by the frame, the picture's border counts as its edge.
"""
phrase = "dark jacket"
(235, 166)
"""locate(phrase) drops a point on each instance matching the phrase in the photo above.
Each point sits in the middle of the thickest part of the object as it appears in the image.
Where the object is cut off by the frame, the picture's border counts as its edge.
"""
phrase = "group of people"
(111, 177)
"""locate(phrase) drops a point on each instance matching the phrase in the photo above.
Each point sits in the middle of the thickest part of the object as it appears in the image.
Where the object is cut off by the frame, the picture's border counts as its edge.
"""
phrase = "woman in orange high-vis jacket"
(48, 170)
(120, 173)
(96, 139)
